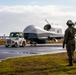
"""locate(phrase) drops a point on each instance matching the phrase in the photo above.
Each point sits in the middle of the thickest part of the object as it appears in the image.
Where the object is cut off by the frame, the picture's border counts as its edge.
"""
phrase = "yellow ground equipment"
(2, 41)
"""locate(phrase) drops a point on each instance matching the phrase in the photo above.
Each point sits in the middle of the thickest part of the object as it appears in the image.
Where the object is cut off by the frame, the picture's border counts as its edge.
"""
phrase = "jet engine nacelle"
(47, 27)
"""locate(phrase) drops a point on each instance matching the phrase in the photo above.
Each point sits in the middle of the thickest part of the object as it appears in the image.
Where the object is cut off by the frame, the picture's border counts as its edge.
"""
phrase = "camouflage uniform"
(69, 40)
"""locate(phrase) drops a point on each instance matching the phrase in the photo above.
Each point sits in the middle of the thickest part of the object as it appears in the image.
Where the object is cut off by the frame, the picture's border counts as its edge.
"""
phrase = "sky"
(15, 15)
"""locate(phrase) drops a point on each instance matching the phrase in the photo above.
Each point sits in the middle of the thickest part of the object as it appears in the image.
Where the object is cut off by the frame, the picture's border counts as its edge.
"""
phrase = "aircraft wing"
(57, 36)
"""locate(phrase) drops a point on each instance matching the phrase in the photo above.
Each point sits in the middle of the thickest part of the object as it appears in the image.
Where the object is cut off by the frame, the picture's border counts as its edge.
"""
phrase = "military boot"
(70, 62)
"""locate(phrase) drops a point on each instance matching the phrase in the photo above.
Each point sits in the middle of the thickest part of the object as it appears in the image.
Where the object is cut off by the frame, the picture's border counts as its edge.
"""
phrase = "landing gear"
(55, 40)
(33, 43)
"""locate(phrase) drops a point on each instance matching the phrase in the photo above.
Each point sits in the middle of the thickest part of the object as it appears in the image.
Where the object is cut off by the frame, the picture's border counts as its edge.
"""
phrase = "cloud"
(16, 18)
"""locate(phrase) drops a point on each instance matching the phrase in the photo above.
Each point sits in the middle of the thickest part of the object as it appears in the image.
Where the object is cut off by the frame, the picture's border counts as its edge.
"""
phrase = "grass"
(50, 64)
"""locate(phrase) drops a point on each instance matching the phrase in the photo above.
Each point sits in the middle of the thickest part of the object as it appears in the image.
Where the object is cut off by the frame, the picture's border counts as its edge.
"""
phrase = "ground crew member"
(69, 40)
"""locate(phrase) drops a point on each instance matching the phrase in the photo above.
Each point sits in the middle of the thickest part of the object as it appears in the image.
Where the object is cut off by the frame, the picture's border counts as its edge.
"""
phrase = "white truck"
(15, 39)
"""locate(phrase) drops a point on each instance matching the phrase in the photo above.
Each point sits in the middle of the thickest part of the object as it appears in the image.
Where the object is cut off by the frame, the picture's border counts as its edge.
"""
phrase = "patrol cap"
(70, 23)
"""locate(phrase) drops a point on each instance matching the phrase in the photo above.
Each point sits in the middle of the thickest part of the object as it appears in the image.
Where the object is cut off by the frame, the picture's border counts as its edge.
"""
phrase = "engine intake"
(47, 27)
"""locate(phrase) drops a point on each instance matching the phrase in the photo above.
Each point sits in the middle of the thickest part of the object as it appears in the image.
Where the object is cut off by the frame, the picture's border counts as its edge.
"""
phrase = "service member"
(69, 40)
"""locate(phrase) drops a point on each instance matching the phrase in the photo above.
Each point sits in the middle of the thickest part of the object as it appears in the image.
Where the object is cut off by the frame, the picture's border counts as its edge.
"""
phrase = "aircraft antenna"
(46, 21)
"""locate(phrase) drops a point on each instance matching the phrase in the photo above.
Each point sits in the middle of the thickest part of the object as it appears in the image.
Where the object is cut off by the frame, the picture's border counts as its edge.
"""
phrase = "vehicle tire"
(23, 44)
(16, 45)
(13, 46)
(6, 46)
(35, 44)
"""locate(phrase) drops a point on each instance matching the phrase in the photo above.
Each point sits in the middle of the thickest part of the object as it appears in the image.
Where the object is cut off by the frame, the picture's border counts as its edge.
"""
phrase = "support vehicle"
(15, 39)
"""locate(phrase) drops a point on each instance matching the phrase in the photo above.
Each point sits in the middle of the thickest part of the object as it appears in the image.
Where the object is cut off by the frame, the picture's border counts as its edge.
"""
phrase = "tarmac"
(40, 49)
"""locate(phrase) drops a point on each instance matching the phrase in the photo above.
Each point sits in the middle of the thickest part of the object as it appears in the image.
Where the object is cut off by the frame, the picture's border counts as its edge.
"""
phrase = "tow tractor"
(15, 39)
